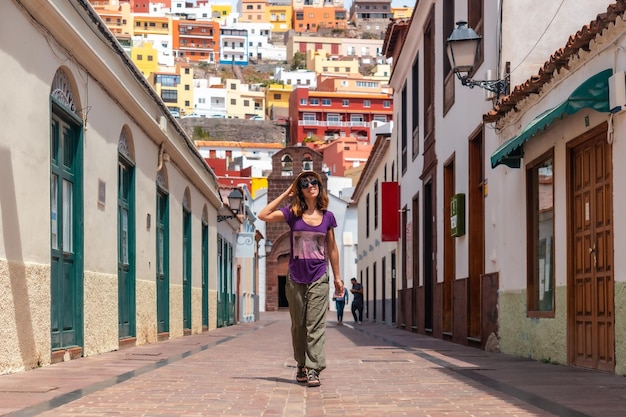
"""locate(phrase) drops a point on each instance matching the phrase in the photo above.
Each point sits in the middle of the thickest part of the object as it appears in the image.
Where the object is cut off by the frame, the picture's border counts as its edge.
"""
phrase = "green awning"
(592, 94)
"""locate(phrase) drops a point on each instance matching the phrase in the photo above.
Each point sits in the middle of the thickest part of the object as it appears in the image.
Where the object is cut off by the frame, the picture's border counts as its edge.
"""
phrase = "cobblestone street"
(248, 370)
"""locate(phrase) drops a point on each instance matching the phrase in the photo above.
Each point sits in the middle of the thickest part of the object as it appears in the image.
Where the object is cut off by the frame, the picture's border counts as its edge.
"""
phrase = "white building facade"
(483, 258)
(118, 245)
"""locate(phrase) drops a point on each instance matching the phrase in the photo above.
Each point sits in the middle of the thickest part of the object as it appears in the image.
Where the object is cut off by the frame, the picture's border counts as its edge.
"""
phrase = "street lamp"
(463, 49)
(234, 203)
(234, 200)
(268, 249)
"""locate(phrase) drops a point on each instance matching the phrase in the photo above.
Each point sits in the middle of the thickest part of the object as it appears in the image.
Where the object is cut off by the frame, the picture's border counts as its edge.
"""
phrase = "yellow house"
(403, 12)
(145, 56)
(151, 25)
(220, 11)
(277, 100)
(176, 88)
(320, 62)
(279, 15)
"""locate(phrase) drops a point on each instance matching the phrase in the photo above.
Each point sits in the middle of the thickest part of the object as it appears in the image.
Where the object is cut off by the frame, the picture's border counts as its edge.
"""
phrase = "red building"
(227, 177)
(330, 113)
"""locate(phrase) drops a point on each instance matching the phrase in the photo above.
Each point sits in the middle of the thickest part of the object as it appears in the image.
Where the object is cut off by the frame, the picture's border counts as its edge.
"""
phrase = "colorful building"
(363, 49)
(196, 40)
(176, 88)
(316, 19)
(325, 115)
(277, 100)
(144, 56)
(116, 17)
(233, 46)
(219, 11)
(252, 11)
(344, 154)
(244, 101)
(321, 62)
(279, 14)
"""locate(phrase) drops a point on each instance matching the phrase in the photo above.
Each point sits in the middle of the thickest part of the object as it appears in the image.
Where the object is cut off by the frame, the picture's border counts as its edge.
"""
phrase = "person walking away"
(340, 304)
(313, 246)
(357, 301)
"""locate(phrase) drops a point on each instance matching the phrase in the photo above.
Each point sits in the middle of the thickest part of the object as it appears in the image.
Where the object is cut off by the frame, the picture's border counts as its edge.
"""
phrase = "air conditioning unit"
(617, 92)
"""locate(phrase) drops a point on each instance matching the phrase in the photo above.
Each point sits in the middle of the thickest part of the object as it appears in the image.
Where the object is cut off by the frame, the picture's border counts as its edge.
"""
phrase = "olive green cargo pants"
(308, 304)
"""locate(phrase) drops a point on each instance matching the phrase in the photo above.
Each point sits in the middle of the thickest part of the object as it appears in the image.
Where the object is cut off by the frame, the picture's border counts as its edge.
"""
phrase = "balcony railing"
(336, 124)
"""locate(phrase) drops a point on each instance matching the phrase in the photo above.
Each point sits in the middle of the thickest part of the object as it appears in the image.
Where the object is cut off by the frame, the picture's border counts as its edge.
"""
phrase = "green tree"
(298, 61)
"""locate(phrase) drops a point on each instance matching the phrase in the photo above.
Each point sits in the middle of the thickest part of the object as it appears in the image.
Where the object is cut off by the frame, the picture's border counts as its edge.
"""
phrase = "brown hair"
(299, 204)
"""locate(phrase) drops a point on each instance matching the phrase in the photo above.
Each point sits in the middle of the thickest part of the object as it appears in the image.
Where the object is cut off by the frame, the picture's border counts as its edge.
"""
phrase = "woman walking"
(313, 245)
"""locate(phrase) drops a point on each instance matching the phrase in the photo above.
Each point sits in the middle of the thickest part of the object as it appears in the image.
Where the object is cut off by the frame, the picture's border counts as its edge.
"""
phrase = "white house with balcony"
(233, 46)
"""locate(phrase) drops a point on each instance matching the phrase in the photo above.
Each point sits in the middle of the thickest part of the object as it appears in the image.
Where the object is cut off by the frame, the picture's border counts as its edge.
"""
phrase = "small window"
(345, 103)
(325, 102)
(367, 103)
(303, 101)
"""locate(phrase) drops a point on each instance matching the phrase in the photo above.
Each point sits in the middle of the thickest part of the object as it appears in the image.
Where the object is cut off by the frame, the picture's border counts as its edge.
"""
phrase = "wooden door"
(591, 306)
(126, 250)
(186, 269)
(162, 263)
(66, 240)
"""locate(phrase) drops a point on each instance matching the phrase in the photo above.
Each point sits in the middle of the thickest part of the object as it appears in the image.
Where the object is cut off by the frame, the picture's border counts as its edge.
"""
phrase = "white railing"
(337, 124)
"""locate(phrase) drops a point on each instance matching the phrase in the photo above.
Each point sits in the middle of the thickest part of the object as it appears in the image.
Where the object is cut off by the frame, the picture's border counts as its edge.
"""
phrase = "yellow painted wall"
(145, 56)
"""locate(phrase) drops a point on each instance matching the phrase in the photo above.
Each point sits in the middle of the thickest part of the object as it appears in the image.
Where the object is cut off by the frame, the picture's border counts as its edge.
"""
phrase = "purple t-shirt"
(308, 246)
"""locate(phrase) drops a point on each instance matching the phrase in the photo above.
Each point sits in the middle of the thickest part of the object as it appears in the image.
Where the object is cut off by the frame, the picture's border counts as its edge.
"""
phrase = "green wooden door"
(65, 232)
(126, 249)
(221, 295)
(162, 263)
(205, 275)
(186, 269)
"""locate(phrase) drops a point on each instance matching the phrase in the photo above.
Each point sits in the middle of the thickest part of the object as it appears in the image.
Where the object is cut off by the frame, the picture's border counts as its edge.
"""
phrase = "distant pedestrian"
(313, 245)
(357, 301)
(340, 304)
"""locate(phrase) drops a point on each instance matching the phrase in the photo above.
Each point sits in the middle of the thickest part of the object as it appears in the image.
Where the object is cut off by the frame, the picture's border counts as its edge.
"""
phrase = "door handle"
(592, 250)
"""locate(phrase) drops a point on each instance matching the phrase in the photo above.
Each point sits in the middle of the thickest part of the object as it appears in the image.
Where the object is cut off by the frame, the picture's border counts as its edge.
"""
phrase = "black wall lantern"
(463, 49)
(234, 202)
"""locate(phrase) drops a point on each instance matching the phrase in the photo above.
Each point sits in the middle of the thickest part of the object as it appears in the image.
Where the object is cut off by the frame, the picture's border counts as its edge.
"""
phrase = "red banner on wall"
(390, 199)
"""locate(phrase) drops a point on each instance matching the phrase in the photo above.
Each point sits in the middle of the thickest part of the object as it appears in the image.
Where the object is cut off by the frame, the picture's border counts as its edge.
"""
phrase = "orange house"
(316, 19)
(196, 40)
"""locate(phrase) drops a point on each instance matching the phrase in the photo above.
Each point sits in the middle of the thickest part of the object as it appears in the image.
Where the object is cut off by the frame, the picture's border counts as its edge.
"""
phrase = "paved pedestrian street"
(247, 370)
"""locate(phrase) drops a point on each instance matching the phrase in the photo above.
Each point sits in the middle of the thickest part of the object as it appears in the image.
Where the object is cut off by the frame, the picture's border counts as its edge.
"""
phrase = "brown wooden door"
(592, 337)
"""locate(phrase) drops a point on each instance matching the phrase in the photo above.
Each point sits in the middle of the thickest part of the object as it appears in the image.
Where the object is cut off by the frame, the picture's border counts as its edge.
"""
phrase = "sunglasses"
(305, 184)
